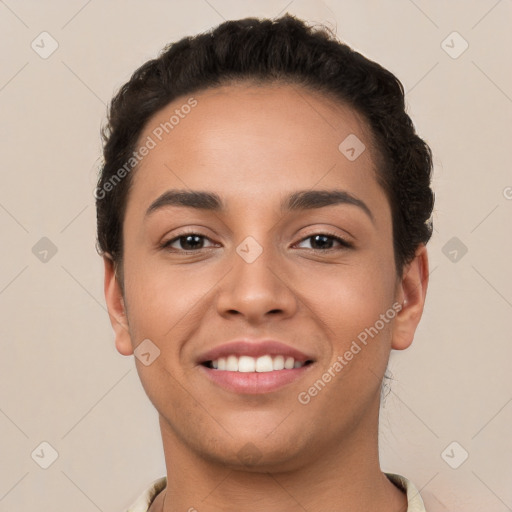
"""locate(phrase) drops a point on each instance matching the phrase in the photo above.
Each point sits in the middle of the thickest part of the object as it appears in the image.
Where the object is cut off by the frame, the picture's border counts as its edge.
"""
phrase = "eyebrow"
(298, 200)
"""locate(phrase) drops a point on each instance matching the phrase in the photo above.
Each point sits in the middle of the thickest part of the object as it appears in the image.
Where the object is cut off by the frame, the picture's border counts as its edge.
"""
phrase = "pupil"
(187, 238)
(325, 238)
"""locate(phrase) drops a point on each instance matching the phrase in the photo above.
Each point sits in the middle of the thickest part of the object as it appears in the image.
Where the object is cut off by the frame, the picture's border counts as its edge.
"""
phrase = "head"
(263, 181)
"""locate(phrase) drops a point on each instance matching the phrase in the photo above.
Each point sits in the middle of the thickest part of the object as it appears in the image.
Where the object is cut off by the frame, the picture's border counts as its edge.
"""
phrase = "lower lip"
(254, 383)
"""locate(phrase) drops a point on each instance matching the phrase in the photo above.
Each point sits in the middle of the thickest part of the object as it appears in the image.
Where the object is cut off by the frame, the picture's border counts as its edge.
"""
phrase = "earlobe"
(116, 308)
(411, 293)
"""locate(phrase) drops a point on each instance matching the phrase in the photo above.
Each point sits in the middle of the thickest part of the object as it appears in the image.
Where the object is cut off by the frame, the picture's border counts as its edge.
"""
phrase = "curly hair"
(285, 50)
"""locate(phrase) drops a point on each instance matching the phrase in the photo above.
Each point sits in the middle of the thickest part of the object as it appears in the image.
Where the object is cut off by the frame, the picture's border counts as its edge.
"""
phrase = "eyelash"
(344, 243)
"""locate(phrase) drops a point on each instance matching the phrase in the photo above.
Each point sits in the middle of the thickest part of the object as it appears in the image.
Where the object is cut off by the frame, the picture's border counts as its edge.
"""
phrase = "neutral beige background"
(61, 379)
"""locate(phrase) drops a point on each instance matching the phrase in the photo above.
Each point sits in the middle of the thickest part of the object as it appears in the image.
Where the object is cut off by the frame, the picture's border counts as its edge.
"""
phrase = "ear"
(411, 293)
(116, 308)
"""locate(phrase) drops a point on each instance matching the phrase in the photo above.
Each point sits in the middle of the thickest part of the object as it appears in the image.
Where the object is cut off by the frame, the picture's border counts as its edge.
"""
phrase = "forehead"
(252, 142)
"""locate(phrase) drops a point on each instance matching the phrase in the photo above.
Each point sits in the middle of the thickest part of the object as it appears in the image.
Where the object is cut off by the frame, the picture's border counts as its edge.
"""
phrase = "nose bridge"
(255, 264)
(254, 261)
(254, 286)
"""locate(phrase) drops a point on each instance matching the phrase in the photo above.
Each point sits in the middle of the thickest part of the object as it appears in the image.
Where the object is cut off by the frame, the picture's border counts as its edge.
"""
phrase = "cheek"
(357, 308)
(164, 301)
(355, 296)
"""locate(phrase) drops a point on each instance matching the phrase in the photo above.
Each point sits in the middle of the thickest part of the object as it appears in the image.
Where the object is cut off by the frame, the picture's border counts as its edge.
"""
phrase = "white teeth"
(247, 364)
(278, 363)
(288, 363)
(232, 364)
(264, 364)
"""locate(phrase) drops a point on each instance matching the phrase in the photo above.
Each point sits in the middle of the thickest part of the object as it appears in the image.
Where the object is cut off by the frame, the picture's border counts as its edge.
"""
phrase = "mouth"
(254, 367)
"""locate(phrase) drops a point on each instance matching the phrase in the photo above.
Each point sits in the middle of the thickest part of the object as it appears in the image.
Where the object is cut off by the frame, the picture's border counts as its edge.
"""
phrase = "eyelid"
(316, 229)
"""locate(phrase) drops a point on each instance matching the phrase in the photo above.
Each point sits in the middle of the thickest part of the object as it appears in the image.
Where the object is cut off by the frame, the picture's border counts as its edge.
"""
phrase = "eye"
(323, 242)
(187, 242)
(194, 242)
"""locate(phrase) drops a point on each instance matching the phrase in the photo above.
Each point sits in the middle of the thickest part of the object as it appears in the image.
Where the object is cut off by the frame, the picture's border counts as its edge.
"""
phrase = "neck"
(344, 479)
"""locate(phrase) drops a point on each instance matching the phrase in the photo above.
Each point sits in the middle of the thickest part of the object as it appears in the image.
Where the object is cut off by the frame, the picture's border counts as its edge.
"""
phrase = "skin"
(254, 145)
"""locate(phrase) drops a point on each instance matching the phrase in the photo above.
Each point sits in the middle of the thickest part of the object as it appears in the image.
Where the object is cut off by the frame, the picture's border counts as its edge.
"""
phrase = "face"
(264, 269)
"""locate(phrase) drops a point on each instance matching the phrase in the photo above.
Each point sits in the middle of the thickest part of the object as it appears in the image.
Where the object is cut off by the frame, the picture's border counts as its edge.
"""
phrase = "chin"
(258, 453)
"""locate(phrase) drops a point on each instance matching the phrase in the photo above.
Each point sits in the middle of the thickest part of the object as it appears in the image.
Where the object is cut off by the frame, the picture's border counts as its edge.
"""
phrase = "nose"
(256, 289)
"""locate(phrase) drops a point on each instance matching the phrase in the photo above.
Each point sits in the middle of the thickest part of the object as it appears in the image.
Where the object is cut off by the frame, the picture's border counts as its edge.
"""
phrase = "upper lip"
(253, 348)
